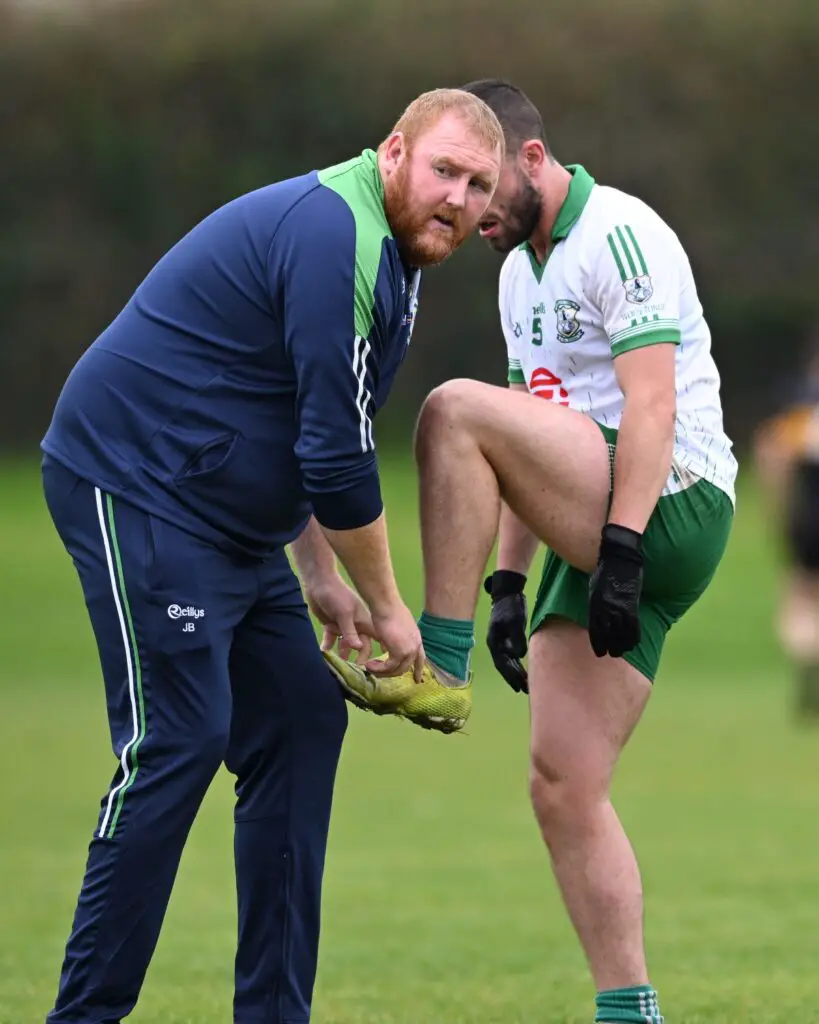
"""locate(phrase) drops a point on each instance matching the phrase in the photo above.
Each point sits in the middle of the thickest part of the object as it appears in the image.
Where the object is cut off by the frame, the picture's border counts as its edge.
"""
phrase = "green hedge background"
(123, 123)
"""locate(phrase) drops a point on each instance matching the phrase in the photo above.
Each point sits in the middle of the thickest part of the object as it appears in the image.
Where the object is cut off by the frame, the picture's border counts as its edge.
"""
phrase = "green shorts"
(682, 547)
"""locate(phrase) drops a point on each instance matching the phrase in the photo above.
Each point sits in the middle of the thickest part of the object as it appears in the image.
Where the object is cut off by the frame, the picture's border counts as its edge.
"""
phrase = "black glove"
(614, 592)
(506, 636)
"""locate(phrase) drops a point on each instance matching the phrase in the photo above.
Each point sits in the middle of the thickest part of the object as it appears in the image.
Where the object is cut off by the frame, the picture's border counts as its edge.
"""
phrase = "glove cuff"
(625, 541)
(504, 582)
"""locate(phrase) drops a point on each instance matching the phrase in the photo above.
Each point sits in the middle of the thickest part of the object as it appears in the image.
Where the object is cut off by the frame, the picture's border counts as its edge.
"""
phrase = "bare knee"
(564, 801)
(446, 409)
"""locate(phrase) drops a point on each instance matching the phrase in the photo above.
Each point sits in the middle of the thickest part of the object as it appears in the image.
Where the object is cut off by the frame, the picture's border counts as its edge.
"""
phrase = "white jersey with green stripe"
(617, 278)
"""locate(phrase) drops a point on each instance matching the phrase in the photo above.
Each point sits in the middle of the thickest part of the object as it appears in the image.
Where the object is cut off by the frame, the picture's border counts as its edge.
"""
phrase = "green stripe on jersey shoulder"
(358, 182)
(617, 259)
(515, 374)
(627, 253)
(637, 250)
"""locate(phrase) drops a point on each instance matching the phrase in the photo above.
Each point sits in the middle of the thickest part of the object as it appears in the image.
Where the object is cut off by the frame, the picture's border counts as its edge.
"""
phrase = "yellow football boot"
(438, 702)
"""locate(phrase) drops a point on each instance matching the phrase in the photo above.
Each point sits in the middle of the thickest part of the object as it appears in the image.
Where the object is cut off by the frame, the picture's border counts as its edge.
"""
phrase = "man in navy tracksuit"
(226, 412)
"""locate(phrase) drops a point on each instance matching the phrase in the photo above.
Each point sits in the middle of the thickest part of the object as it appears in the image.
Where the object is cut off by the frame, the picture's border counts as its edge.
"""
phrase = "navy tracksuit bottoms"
(207, 658)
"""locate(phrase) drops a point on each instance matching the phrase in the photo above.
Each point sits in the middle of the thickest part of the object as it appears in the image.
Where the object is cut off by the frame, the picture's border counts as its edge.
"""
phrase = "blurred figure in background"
(786, 451)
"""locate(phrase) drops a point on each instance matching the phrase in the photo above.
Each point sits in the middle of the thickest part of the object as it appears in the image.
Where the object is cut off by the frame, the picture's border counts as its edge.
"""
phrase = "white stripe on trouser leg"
(363, 397)
(128, 661)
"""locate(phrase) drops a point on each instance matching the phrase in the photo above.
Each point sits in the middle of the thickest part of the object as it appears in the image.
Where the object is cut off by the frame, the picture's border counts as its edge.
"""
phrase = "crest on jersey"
(639, 289)
(568, 326)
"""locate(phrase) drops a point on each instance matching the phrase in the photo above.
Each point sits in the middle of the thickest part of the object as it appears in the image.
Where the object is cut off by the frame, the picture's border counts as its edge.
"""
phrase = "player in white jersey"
(609, 448)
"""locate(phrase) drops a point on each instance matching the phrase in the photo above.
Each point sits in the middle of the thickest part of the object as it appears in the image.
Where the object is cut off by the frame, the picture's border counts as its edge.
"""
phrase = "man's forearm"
(517, 544)
(312, 553)
(645, 445)
(365, 554)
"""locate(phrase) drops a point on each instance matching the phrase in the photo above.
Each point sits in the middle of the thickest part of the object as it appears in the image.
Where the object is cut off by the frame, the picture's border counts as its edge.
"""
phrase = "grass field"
(439, 905)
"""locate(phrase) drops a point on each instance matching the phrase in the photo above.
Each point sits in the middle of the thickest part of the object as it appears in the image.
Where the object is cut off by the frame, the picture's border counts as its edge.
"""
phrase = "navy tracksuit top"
(235, 392)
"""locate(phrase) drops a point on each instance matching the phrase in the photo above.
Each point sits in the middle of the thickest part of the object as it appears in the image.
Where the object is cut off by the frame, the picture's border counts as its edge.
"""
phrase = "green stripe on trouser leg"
(130, 757)
(636, 1005)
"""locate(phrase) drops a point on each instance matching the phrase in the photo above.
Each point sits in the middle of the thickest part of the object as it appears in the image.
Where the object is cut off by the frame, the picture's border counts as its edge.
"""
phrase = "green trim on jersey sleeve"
(643, 325)
(624, 250)
(515, 374)
(656, 336)
(359, 184)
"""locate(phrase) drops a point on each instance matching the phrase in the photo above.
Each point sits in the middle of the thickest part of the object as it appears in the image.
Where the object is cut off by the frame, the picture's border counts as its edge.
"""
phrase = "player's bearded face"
(514, 212)
(426, 228)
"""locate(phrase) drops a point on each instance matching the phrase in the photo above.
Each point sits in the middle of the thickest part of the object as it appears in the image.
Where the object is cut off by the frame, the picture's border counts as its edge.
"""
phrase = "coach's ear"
(393, 152)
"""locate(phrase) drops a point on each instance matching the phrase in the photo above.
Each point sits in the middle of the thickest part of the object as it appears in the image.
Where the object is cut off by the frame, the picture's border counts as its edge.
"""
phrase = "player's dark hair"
(519, 117)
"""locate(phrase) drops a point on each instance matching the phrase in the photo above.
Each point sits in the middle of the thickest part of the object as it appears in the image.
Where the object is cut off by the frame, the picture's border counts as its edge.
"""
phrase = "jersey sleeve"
(511, 330)
(312, 265)
(636, 284)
